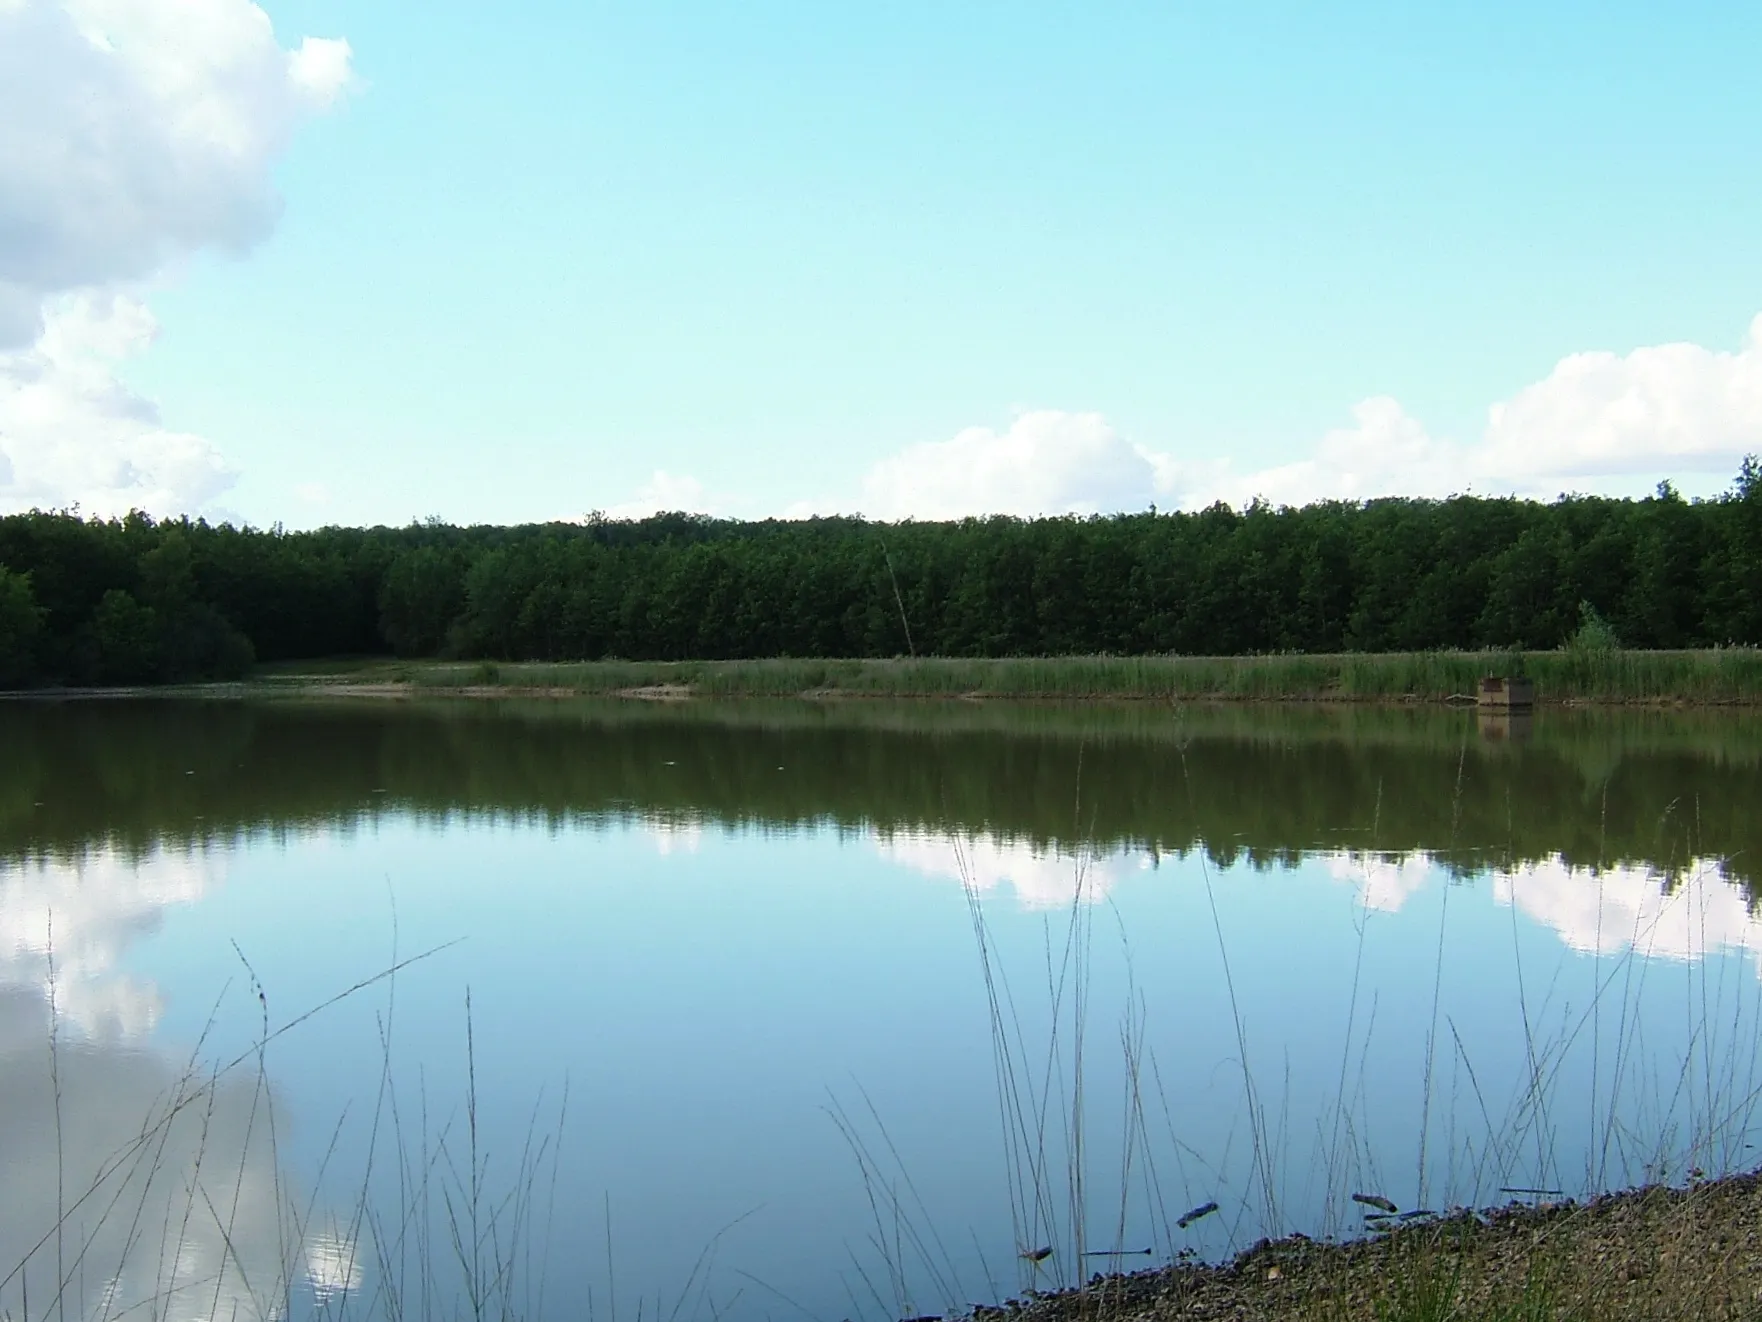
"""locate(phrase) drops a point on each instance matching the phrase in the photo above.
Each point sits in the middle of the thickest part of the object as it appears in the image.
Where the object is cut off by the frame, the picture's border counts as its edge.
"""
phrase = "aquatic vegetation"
(1573, 674)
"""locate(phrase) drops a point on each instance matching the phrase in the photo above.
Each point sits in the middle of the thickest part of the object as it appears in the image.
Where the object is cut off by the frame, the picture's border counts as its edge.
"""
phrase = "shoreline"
(684, 694)
(1651, 1252)
(1716, 678)
(688, 694)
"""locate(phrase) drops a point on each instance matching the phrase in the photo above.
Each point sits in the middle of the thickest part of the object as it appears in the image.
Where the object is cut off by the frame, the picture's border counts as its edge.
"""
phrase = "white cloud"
(1598, 414)
(1384, 453)
(133, 133)
(72, 432)
(322, 69)
(1045, 462)
(664, 493)
(1597, 422)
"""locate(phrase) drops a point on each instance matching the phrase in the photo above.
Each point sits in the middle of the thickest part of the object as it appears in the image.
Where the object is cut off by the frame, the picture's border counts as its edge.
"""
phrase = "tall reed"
(1721, 675)
(1648, 1115)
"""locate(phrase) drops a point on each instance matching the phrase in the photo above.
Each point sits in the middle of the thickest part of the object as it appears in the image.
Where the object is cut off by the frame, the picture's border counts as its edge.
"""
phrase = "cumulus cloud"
(1599, 414)
(133, 133)
(322, 69)
(1385, 452)
(1597, 422)
(72, 433)
(664, 493)
(1045, 462)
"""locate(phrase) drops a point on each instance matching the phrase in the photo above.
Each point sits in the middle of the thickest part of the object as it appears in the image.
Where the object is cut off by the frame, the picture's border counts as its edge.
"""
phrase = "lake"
(626, 1009)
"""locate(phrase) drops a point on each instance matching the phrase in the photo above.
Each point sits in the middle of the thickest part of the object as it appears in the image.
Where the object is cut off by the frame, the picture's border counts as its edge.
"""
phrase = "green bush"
(1594, 633)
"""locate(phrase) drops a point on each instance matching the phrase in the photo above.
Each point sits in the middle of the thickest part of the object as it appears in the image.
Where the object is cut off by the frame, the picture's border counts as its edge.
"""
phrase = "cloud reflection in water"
(1683, 916)
(1040, 878)
(85, 913)
(118, 1134)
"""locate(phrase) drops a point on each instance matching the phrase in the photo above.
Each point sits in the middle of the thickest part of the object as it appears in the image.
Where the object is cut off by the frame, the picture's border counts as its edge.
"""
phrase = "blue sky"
(526, 261)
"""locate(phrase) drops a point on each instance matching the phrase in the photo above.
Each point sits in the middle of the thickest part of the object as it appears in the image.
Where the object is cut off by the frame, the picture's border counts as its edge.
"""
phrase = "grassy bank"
(1722, 675)
(1640, 1256)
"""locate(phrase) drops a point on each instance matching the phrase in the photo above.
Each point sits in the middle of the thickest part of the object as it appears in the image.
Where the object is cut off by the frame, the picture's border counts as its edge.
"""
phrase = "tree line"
(135, 600)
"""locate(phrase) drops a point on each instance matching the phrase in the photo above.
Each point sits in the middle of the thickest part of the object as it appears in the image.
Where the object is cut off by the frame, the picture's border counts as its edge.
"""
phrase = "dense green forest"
(132, 600)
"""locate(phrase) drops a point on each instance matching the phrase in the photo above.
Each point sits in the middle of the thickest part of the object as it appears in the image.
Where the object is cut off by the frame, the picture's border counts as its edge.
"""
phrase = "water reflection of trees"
(1243, 784)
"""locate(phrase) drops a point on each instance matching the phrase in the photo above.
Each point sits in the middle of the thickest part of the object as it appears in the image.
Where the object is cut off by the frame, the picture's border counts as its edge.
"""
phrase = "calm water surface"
(838, 1009)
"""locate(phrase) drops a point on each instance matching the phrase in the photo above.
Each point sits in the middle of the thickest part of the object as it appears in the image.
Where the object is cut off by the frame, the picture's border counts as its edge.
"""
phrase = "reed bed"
(1720, 675)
